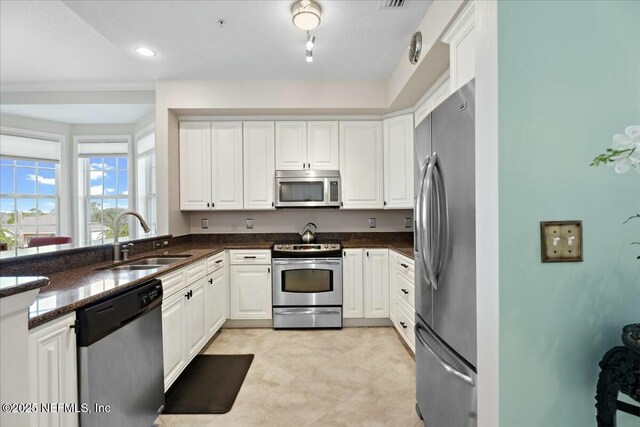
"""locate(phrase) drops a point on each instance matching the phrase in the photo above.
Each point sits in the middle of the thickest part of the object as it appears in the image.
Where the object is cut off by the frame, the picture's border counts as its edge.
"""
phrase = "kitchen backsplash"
(292, 220)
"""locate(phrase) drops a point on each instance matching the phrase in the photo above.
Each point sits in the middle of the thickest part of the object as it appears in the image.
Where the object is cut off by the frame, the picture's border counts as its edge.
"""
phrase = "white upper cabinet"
(307, 145)
(226, 165)
(461, 38)
(258, 165)
(398, 162)
(322, 145)
(195, 165)
(291, 145)
(211, 165)
(361, 164)
(440, 91)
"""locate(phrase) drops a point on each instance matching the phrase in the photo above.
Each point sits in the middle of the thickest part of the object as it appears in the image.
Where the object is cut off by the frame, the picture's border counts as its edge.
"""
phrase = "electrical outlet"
(372, 223)
(407, 223)
(249, 223)
(561, 241)
(205, 223)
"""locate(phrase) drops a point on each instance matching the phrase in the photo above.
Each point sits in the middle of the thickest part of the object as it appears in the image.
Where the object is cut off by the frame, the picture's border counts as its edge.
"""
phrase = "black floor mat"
(209, 385)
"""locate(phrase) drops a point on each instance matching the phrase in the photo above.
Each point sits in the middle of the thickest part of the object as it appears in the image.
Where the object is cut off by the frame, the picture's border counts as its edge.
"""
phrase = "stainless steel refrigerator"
(445, 263)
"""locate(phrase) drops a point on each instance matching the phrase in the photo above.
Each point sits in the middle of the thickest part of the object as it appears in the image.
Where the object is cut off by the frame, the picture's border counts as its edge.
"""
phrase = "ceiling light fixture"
(310, 41)
(305, 14)
(309, 55)
(145, 51)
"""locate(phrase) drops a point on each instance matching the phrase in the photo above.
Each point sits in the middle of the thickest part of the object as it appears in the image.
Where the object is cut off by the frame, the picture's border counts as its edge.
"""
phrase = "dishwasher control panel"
(149, 295)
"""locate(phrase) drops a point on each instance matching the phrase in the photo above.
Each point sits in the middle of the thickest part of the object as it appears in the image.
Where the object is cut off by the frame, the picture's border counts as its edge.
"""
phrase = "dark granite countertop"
(73, 289)
(76, 288)
(11, 285)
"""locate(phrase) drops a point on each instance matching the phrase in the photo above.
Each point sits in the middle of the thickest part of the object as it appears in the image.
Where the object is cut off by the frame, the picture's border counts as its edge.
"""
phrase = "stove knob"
(326, 246)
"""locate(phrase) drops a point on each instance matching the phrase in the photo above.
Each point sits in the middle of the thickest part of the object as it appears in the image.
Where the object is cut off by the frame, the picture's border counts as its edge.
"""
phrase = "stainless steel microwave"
(307, 189)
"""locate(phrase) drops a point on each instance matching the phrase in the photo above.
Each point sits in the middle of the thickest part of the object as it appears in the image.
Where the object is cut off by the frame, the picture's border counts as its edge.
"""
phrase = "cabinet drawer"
(250, 256)
(172, 283)
(405, 290)
(405, 266)
(215, 262)
(196, 271)
(404, 323)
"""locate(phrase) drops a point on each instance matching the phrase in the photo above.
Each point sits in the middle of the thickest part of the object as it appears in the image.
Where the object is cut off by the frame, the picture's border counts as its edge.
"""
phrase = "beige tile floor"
(350, 377)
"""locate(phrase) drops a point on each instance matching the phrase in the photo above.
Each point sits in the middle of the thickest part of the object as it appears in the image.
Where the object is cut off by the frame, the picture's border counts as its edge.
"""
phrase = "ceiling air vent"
(391, 4)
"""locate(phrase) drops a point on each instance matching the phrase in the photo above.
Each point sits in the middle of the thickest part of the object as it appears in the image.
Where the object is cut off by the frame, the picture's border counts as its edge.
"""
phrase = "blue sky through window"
(27, 178)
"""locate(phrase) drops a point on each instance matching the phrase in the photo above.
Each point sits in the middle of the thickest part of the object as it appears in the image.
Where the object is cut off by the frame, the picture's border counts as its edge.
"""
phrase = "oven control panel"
(307, 247)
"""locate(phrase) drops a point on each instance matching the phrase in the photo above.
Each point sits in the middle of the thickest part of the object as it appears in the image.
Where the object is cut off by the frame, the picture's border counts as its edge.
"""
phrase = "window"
(29, 201)
(108, 184)
(146, 182)
(29, 184)
(103, 189)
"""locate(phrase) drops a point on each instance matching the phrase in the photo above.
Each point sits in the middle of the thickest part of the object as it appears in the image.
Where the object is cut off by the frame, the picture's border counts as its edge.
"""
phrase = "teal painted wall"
(568, 79)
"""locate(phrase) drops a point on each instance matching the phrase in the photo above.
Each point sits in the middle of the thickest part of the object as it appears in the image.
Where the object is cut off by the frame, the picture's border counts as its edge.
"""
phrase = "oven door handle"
(307, 311)
(306, 261)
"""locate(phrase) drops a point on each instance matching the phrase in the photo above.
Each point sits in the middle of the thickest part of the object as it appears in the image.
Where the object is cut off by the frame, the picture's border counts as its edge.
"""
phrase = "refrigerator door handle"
(450, 369)
(443, 220)
(424, 219)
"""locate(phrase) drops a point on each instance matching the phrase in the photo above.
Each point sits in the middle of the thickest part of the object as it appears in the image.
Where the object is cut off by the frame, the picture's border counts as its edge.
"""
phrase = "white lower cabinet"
(196, 330)
(376, 283)
(402, 296)
(250, 287)
(352, 283)
(365, 282)
(250, 284)
(174, 321)
(216, 302)
(191, 312)
(53, 372)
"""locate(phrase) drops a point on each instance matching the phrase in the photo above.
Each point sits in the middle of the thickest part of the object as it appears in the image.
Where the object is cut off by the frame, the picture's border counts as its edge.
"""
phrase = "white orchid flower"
(630, 140)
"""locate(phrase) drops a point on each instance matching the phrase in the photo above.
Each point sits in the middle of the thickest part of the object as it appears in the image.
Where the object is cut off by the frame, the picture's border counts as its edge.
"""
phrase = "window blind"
(29, 148)
(146, 144)
(98, 148)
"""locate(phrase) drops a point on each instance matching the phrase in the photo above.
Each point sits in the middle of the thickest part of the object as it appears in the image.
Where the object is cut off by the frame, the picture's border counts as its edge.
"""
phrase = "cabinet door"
(259, 166)
(352, 283)
(461, 38)
(250, 292)
(226, 165)
(393, 279)
(195, 165)
(376, 283)
(215, 297)
(361, 164)
(196, 329)
(322, 145)
(53, 370)
(398, 162)
(174, 324)
(291, 145)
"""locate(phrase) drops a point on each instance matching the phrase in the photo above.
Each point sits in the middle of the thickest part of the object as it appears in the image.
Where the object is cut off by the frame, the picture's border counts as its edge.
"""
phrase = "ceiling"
(81, 113)
(55, 45)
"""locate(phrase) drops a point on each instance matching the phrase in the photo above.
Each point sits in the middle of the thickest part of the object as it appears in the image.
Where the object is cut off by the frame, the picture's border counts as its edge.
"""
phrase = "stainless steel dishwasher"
(120, 369)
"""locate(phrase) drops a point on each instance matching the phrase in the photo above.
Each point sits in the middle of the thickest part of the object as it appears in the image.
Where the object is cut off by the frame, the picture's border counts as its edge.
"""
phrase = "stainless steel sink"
(150, 263)
(158, 260)
(136, 267)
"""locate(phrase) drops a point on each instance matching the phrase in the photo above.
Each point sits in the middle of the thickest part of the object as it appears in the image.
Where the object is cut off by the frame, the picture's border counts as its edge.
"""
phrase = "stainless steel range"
(307, 285)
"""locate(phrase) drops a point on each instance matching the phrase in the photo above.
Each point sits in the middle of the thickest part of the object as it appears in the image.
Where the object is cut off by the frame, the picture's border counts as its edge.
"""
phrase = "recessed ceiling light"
(305, 14)
(145, 51)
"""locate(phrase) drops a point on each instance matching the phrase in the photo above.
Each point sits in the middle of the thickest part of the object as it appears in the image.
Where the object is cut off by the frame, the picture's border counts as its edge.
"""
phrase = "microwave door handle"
(327, 184)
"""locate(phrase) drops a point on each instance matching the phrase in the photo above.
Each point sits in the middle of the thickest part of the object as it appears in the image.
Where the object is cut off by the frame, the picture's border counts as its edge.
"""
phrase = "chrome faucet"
(116, 231)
